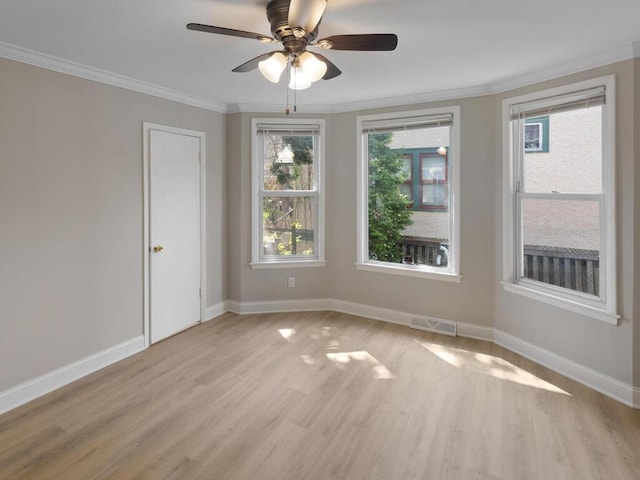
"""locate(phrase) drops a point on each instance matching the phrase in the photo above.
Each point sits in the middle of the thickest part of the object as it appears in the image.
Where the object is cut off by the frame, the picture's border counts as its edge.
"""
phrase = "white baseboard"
(351, 308)
(27, 391)
(215, 311)
(600, 382)
(44, 384)
(271, 306)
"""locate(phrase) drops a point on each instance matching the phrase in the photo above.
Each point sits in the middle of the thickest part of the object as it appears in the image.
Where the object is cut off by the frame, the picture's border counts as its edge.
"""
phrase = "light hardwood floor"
(321, 395)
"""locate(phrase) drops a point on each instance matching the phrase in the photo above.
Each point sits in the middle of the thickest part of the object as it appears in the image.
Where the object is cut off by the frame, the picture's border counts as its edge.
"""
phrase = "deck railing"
(572, 268)
(424, 251)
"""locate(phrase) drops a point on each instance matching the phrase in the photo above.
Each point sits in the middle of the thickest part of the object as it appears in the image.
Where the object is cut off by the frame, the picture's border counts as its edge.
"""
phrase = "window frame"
(258, 193)
(452, 274)
(603, 308)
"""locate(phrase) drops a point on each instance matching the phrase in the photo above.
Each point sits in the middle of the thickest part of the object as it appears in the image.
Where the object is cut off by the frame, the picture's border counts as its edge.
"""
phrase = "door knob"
(158, 248)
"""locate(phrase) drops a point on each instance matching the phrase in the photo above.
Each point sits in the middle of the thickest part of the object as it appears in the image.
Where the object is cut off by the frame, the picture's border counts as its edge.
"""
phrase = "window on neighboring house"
(288, 213)
(408, 192)
(536, 134)
(559, 225)
(427, 183)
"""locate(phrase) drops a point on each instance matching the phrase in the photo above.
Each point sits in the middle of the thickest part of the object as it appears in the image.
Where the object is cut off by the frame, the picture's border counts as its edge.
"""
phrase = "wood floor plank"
(321, 395)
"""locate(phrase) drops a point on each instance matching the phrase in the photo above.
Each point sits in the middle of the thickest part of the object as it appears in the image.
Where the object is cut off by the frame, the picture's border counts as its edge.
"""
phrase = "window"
(536, 134)
(288, 206)
(559, 225)
(426, 182)
(408, 184)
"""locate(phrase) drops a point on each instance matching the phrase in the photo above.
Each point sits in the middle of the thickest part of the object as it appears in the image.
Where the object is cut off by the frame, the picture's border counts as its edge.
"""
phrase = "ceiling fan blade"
(227, 31)
(372, 42)
(332, 70)
(253, 63)
(306, 13)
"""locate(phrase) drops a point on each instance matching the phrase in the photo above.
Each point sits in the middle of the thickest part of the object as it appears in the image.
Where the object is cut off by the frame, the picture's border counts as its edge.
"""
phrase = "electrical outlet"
(291, 282)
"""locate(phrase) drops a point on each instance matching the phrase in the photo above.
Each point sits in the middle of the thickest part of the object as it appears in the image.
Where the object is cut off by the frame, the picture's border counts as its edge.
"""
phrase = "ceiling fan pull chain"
(295, 95)
(287, 111)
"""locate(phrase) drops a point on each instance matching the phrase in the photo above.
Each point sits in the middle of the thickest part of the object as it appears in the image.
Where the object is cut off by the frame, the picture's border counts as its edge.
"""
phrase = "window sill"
(287, 264)
(409, 271)
(565, 303)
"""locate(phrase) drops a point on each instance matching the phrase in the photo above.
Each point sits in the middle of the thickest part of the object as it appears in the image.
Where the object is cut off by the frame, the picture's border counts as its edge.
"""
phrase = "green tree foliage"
(302, 149)
(283, 217)
(389, 212)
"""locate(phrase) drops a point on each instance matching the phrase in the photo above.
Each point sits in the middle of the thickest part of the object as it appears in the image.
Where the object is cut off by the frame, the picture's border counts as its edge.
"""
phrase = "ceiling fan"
(294, 24)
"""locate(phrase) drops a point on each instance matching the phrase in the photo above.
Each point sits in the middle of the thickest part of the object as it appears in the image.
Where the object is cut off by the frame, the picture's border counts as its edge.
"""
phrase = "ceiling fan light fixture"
(299, 79)
(272, 67)
(313, 67)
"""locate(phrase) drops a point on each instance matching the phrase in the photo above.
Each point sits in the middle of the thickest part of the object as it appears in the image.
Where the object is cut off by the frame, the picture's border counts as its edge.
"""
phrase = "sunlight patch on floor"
(489, 365)
(341, 359)
(287, 333)
(307, 359)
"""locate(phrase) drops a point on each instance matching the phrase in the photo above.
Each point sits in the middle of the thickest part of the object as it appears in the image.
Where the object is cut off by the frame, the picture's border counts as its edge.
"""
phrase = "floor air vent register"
(434, 325)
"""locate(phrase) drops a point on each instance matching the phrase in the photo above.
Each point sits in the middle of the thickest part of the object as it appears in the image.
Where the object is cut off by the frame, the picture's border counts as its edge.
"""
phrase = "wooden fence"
(571, 268)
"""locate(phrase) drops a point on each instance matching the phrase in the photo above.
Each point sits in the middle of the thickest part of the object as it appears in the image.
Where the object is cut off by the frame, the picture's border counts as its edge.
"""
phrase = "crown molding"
(50, 62)
(277, 108)
(568, 68)
(412, 99)
(31, 57)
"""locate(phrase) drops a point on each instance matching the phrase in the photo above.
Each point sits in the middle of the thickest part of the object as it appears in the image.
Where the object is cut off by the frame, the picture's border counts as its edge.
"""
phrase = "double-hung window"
(288, 213)
(559, 211)
(408, 193)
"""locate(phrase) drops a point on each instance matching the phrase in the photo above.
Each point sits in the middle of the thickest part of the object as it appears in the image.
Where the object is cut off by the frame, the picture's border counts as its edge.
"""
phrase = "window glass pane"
(570, 160)
(405, 189)
(433, 168)
(399, 233)
(434, 194)
(533, 137)
(561, 243)
(433, 171)
(288, 226)
(407, 166)
(288, 162)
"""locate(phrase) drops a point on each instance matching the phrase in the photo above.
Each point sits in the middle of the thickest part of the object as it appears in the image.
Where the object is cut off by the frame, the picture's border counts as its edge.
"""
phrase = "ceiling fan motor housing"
(278, 16)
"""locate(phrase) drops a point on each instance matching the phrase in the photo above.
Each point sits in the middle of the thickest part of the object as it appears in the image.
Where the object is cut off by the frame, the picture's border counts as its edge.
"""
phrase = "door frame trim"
(146, 130)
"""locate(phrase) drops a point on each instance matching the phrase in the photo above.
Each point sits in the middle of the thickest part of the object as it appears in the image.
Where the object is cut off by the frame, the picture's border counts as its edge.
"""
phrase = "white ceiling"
(443, 45)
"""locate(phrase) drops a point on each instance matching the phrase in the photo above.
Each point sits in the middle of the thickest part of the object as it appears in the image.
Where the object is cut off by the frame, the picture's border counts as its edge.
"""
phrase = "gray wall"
(636, 232)
(479, 299)
(71, 215)
(592, 343)
(71, 225)
(247, 284)
(470, 301)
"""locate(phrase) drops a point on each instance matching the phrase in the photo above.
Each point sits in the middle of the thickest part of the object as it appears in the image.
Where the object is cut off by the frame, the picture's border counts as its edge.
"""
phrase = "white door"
(174, 233)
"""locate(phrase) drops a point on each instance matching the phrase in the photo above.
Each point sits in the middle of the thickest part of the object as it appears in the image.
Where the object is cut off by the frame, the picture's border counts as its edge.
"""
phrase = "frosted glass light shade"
(312, 66)
(273, 66)
(299, 79)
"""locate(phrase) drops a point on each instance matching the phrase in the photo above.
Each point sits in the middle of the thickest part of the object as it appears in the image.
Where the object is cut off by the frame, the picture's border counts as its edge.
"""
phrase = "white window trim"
(318, 260)
(604, 309)
(362, 252)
